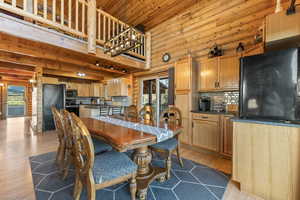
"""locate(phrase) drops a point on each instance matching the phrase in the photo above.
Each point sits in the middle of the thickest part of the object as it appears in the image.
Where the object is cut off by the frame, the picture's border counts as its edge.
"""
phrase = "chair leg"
(169, 165)
(91, 190)
(77, 188)
(133, 188)
(179, 156)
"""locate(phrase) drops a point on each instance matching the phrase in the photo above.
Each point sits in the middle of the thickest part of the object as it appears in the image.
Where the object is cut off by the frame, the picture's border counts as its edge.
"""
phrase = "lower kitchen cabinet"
(206, 134)
(213, 132)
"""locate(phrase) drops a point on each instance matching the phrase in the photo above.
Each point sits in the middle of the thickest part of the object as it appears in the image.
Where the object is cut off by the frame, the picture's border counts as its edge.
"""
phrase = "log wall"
(210, 22)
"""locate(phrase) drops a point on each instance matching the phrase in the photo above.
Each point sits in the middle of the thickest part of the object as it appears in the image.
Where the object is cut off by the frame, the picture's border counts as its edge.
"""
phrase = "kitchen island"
(266, 158)
(95, 110)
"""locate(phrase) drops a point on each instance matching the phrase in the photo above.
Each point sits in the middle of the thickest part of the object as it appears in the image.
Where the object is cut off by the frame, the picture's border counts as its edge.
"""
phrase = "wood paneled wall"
(197, 29)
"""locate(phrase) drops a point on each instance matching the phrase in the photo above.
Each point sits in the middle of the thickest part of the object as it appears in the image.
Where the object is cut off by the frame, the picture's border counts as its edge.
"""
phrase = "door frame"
(156, 78)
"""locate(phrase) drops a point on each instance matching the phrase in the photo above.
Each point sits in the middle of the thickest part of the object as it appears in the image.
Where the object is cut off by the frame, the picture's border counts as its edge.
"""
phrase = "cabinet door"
(227, 136)
(206, 134)
(211, 74)
(202, 77)
(229, 72)
(181, 102)
(183, 74)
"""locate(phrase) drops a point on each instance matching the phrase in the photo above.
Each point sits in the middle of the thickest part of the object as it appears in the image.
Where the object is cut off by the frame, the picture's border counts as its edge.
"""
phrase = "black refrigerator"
(53, 95)
(269, 86)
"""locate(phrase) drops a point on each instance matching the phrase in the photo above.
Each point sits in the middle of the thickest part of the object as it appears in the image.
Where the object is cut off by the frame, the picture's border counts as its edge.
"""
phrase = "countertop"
(214, 112)
(266, 122)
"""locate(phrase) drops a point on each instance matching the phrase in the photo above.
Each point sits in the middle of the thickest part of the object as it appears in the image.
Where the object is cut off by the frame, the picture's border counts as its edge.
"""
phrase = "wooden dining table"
(123, 139)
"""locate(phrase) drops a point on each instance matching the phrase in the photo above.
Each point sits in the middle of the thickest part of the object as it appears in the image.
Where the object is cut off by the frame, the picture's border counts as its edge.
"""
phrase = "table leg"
(146, 173)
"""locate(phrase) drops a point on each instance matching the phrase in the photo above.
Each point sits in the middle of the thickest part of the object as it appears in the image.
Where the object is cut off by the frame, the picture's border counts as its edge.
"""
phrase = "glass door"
(149, 96)
(155, 93)
(16, 105)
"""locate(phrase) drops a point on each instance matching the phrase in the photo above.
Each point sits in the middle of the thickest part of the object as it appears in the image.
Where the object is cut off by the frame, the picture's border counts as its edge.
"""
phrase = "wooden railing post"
(147, 46)
(91, 26)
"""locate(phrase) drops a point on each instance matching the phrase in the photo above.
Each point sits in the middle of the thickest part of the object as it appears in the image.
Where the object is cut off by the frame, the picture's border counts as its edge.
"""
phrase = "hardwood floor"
(17, 143)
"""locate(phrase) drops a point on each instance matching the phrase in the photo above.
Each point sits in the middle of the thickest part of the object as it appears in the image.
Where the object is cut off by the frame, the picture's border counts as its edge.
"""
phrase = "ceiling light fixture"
(97, 64)
(80, 74)
(125, 41)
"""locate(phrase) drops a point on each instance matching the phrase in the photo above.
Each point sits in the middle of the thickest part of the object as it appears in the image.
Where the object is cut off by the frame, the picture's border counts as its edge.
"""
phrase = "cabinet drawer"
(206, 117)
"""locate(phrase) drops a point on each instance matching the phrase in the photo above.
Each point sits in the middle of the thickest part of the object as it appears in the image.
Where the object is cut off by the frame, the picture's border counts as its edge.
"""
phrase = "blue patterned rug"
(193, 182)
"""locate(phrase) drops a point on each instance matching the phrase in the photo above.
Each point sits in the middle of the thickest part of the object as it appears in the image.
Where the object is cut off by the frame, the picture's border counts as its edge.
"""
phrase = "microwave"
(71, 93)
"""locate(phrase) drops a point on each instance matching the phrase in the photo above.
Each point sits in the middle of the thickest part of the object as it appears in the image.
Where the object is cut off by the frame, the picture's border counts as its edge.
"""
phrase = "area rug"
(193, 182)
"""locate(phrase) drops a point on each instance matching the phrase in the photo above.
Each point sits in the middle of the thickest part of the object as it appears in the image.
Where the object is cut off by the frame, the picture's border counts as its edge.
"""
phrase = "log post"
(92, 26)
(39, 100)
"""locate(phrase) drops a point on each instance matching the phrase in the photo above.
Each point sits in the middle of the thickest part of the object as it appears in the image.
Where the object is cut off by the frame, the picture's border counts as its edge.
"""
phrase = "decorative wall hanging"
(215, 51)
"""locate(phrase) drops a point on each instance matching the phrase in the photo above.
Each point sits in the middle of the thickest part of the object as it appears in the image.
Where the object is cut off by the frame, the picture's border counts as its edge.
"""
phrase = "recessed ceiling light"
(80, 74)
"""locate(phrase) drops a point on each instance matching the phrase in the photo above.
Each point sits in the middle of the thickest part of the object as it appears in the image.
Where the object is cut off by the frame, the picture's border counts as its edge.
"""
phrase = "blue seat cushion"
(111, 165)
(100, 146)
(168, 145)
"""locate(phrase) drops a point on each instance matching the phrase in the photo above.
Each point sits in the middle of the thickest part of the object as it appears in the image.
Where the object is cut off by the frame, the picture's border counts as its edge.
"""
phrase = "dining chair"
(131, 112)
(146, 113)
(171, 114)
(99, 145)
(100, 171)
(59, 127)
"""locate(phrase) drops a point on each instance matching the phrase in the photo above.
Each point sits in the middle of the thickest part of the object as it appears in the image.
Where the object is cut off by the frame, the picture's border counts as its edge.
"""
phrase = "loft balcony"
(75, 25)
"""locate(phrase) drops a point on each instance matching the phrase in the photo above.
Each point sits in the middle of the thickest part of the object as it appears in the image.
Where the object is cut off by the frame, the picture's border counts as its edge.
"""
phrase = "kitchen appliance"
(53, 95)
(71, 93)
(204, 103)
(269, 87)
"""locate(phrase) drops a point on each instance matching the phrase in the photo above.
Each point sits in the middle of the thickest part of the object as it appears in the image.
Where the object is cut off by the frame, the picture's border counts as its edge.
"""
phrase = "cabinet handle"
(216, 85)
(204, 117)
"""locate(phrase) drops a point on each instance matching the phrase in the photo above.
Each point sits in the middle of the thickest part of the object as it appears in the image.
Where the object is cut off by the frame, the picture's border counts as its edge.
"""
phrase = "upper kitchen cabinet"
(97, 90)
(183, 74)
(118, 87)
(208, 74)
(229, 69)
(219, 74)
(83, 90)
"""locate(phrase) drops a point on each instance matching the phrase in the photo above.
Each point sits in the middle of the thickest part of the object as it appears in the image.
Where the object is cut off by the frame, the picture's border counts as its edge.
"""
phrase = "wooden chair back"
(172, 114)
(131, 112)
(146, 113)
(83, 147)
(59, 125)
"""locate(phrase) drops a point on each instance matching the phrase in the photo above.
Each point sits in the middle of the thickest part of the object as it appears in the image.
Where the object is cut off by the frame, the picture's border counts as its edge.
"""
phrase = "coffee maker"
(204, 103)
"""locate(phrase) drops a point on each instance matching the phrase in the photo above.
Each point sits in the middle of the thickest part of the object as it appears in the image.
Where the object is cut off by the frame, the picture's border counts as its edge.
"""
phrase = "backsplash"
(219, 100)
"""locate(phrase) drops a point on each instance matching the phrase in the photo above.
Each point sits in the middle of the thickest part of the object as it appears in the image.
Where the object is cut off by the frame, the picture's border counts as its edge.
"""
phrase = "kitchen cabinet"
(185, 94)
(118, 87)
(229, 72)
(206, 132)
(209, 74)
(181, 103)
(219, 74)
(97, 90)
(183, 74)
(83, 90)
(226, 135)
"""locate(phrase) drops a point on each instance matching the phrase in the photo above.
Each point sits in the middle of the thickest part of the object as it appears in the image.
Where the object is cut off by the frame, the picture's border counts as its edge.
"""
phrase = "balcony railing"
(71, 17)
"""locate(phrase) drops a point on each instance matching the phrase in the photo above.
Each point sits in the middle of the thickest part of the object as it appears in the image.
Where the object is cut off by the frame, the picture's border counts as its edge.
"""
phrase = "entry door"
(16, 104)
